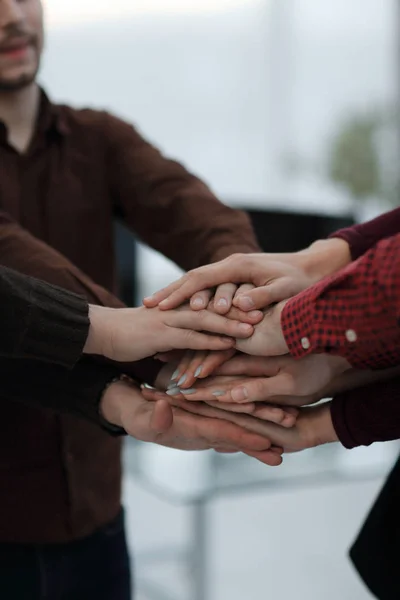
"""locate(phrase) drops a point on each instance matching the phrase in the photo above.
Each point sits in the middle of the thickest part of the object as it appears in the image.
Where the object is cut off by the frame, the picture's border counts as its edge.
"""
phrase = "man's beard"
(17, 84)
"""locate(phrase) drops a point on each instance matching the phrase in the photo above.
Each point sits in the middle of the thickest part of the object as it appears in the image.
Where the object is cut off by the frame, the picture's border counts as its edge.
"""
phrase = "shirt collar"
(51, 117)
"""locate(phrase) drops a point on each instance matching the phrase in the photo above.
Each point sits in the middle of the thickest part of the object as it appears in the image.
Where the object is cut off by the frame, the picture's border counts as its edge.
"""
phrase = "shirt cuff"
(367, 414)
(57, 326)
(329, 318)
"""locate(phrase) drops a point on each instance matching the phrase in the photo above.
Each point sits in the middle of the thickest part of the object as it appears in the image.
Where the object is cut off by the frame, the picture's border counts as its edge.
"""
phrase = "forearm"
(354, 378)
(353, 314)
(364, 236)
(21, 251)
(167, 206)
(368, 414)
(41, 321)
(44, 386)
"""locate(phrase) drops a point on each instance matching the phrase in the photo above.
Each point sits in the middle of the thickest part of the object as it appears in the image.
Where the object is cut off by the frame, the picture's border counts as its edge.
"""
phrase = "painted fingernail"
(189, 391)
(148, 387)
(222, 302)
(175, 375)
(198, 371)
(173, 391)
(245, 302)
(198, 302)
(239, 394)
(182, 380)
(218, 393)
(171, 386)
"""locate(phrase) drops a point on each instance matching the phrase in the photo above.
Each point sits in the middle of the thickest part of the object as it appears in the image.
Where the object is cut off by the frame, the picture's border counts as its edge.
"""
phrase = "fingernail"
(222, 302)
(175, 375)
(171, 386)
(218, 393)
(182, 380)
(198, 371)
(148, 298)
(189, 391)
(239, 394)
(173, 391)
(148, 387)
(245, 302)
(198, 302)
(245, 327)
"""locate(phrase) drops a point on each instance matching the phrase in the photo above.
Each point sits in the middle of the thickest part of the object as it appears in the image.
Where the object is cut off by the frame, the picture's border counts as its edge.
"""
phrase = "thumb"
(261, 389)
(261, 297)
(162, 418)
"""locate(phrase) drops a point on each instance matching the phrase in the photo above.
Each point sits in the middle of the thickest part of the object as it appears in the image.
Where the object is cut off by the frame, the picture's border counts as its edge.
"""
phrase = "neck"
(18, 111)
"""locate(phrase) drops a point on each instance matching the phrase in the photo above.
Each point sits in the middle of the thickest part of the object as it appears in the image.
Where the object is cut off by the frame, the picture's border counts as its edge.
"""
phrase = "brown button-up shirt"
(60, 477)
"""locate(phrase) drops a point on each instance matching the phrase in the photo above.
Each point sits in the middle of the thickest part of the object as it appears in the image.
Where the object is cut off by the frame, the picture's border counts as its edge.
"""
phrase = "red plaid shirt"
(354, 313)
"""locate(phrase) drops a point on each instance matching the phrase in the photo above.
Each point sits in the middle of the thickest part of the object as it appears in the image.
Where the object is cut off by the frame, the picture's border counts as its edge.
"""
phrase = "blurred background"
(288, 109)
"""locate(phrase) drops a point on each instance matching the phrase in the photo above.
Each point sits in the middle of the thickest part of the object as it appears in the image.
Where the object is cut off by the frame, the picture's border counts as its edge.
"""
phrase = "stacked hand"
(258, 392)
(236, 388)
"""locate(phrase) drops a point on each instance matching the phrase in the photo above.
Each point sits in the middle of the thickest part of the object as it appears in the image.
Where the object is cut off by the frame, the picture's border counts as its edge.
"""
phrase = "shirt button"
(305, 342)
(351, 335)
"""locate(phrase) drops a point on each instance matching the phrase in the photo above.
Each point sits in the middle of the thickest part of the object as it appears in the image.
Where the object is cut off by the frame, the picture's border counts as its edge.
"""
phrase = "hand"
(160, 423)
(276, 276)
(131, 334)
(279, 380)
(285, 416)
(313, 426)
(268, 338)
(194, 364)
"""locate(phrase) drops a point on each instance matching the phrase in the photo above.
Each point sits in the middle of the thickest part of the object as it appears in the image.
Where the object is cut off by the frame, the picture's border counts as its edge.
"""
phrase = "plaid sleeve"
(354, 313)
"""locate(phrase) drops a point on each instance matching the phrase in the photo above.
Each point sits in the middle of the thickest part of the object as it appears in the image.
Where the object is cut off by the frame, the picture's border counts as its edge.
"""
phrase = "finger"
(235, 269)
(200, 300)
(253, 317)
(243, 289)
(152, 395)
(190, 368)
(157, 297)
(162, 417)
(259, 389)
(184, 338)
(248, 408)
(253, 366)
(205, 320)
(282, 416)
(213, 361)
(178, 377)
(267, 457)
(223, 297)
(261, 297)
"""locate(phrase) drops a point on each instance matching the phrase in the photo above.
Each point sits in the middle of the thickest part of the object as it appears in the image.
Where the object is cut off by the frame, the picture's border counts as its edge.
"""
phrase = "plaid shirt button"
(305, 342)
(351, 335)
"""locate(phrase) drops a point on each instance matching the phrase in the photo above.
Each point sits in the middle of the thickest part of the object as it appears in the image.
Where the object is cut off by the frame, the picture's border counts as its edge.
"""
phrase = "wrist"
(99, 340)
(112, 401)
(325, 257)
(95, 340)
(323, 431)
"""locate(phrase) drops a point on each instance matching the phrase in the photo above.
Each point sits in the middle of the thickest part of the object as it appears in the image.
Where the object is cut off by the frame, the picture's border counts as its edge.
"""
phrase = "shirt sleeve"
(363, 236)
(76, 392)
(367, 414)
(170, 209)
(354, 313)
(41, 321)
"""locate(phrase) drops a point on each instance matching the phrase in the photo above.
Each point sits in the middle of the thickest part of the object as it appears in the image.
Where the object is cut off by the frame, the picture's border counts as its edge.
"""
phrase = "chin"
(16, 83)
